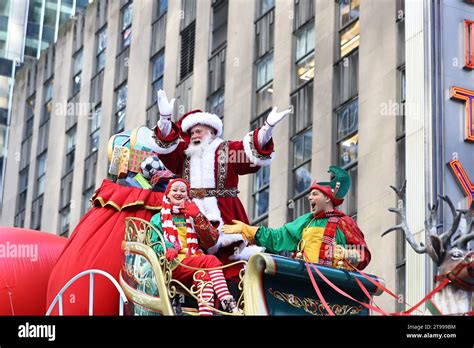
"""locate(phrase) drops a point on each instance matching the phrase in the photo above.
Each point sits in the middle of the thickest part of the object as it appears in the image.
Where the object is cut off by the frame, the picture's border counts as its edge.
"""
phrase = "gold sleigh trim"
(312, 306)
(119, 208)
(138, 241)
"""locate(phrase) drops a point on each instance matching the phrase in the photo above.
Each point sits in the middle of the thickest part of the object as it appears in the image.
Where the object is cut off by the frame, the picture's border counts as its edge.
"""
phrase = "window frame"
(39, 175)
(126, 42)
(255, 123)
(100, 52)
(70, 150)
(48, 86)
(76, 87)
(160, 77)
(118, 110)
(267, 85)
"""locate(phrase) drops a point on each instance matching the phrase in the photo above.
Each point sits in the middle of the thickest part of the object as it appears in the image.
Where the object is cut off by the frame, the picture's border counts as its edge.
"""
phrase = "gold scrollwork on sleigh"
(138, 234)
(312, 306)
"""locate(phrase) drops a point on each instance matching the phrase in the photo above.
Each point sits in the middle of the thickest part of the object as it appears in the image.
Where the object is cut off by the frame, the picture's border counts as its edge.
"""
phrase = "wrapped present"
(116, 158)
(142, 181)
(123, 165)
(137, 156)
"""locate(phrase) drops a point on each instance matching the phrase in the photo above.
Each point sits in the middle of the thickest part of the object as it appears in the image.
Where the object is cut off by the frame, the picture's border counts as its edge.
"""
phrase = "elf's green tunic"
(289, 235)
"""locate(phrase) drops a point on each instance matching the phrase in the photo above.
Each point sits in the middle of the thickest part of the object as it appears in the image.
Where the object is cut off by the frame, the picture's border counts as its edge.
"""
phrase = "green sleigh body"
(270, 284)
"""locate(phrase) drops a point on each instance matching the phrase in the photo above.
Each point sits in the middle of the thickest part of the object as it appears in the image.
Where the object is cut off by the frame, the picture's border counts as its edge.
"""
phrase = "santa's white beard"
(198, 149)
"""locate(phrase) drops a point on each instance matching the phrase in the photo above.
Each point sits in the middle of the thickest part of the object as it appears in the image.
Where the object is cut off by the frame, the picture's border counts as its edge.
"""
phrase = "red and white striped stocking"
(207, 300)
(220, 285)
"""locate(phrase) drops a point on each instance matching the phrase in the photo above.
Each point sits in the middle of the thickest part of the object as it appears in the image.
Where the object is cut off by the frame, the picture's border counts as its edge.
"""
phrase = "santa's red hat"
(195, 117)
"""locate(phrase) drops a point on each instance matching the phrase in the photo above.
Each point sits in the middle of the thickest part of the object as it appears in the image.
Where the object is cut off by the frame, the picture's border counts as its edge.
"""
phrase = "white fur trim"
(247, 252)
(204, 118)
(254, 160)
(164, 150)
(228, 239)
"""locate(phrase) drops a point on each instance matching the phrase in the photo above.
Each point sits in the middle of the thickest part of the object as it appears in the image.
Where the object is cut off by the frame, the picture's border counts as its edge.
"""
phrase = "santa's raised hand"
(165, 107)
(275, 117)
(272, 119)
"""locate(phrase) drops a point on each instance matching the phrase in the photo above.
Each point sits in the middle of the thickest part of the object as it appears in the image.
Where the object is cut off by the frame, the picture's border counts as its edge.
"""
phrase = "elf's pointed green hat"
(337, 188)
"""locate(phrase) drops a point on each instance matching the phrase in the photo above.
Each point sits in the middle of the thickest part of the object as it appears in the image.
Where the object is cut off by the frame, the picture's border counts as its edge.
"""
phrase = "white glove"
(165, 107)
(274, 117)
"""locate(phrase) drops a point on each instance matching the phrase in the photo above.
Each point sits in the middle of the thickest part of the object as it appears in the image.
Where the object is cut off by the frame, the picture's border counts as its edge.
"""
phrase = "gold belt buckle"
(199, 193)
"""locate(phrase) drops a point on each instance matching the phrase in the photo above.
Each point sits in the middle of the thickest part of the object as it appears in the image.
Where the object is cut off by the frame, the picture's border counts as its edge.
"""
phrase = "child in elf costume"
(186, 231)
(325, 236)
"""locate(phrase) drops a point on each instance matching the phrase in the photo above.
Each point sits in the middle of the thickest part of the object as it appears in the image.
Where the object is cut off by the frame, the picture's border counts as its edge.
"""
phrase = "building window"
(77, 72)
(349, 25)
(40, 173)
(264, 34)
(301, 171)
(264, 84)
(263, 6)
(217, 82)
(126, 21)
(216, 104)
(346, 110)
(347, 136)
(260, 194)
(36, 212)
(65, 203)
(30, 116)
(187, 51)
(348, 11)
(47, 101)
(94, 129)
(65, 217)
(350, 201)
(347, 79)
(90, 169)
(157, 71)
(87, 195)
(161, 7)
(220, 9)
(304, 55)
(120, 105)
(101, 15)
(101, 46)
(260, 186)
(70, 149)
(21, 203)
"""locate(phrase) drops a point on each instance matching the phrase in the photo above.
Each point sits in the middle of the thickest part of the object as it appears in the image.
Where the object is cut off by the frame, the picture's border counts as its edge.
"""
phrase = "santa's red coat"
(237, 162)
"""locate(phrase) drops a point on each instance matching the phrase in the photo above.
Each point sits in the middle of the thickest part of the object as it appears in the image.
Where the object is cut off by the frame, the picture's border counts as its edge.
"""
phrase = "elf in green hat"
(325, 236)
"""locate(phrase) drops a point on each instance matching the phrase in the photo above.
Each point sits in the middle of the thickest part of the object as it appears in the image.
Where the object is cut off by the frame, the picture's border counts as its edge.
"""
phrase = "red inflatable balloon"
(26, 260)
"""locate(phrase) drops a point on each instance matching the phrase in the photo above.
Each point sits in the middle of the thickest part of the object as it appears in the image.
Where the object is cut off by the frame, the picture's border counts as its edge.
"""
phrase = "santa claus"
(193, 148)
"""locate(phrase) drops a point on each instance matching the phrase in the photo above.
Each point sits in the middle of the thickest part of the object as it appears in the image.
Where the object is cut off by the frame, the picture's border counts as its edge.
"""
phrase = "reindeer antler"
(446, 236)
(403, 225)
(468, 234)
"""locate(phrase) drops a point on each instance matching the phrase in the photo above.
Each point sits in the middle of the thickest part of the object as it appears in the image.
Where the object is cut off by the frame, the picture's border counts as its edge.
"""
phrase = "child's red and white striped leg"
(206, 300)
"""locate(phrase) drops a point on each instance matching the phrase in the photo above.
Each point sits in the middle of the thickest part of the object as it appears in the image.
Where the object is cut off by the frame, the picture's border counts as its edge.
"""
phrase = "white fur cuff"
(254, 157)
